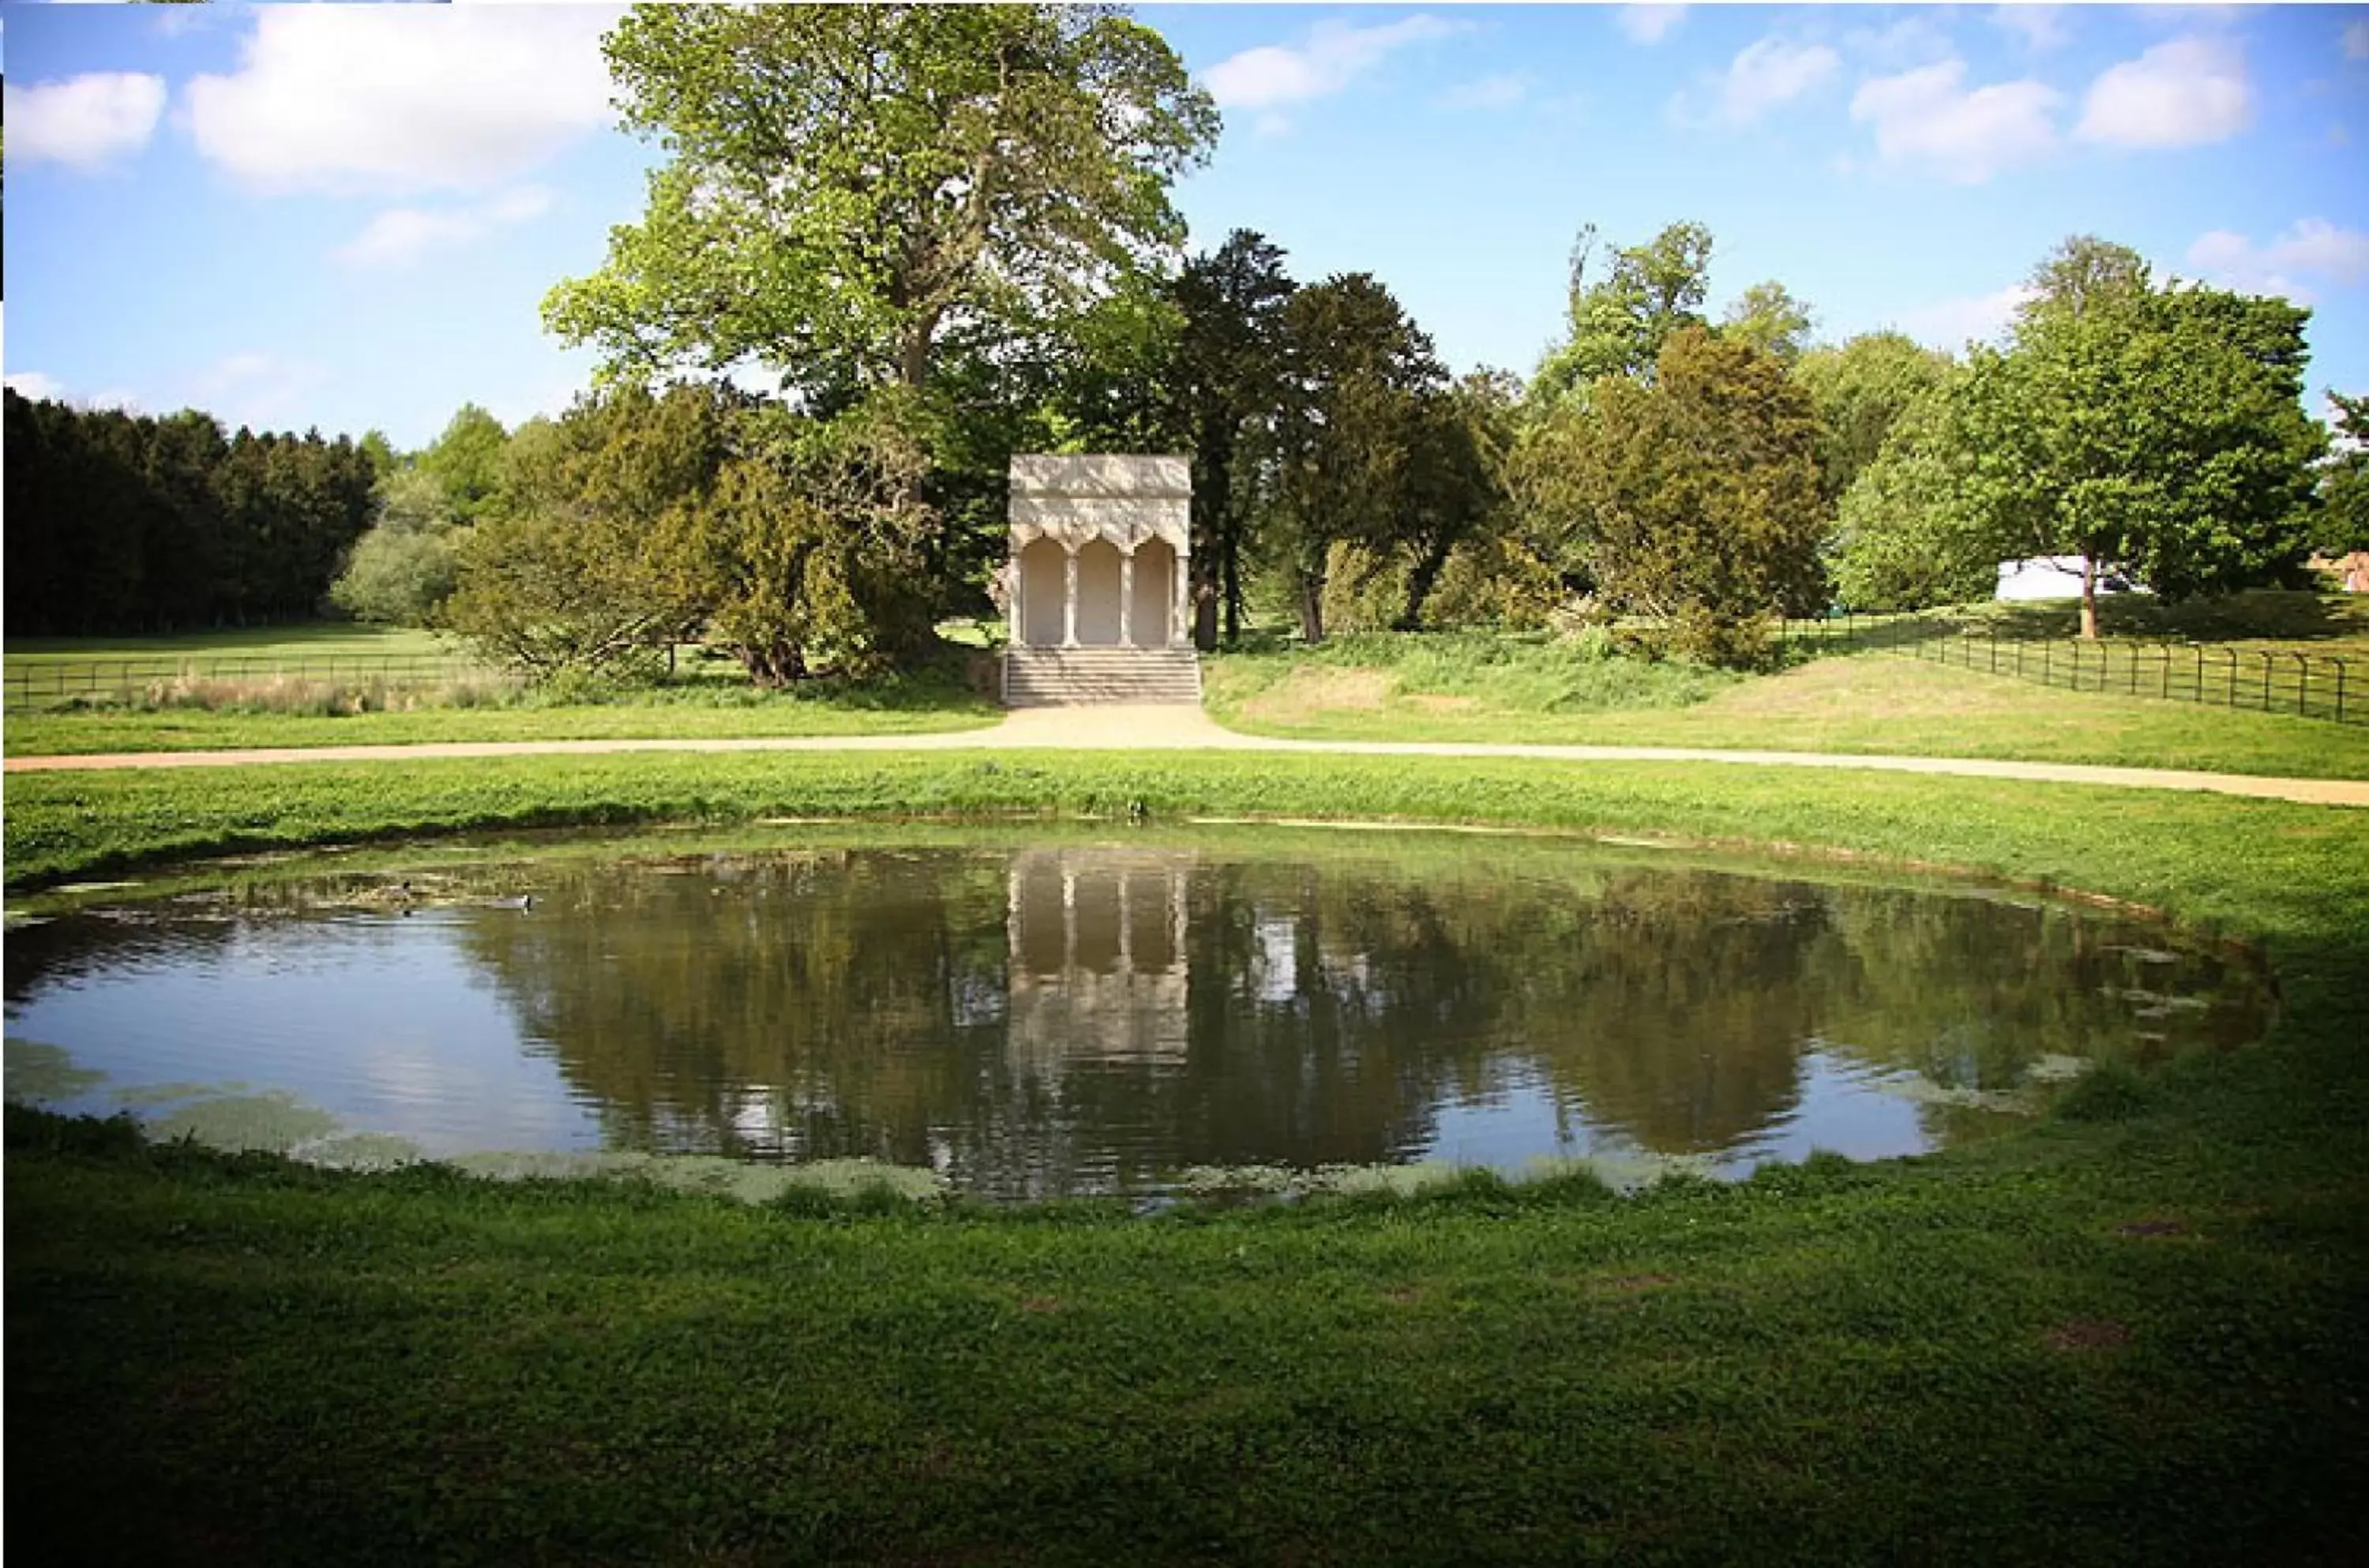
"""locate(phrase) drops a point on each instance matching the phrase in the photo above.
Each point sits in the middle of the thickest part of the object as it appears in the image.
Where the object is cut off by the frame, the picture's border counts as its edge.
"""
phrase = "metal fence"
(2268, 680)
(39, 679)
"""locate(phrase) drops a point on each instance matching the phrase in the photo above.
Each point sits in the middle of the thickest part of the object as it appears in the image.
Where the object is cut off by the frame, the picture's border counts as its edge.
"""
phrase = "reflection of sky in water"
(1843, 1109)
(378, 1021)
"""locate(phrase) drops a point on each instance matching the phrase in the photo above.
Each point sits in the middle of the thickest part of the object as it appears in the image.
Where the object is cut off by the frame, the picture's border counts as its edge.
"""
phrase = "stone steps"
(1050, 678)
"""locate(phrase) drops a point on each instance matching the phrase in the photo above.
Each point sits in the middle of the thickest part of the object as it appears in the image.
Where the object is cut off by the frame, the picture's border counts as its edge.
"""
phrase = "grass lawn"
(710, 700)
(2130, 1335)
(2259, 619)
(1870, 703)
(318, 639)
(695, 712)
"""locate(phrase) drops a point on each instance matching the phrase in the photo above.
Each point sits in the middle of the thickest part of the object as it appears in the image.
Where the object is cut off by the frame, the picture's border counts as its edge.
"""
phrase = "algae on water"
(274, 1122)
(31, 1070)
(712, 1173)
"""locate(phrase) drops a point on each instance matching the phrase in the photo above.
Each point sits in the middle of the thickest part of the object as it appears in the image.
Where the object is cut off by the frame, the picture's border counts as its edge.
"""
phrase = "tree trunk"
(774, 666)
(1231, 558)
(1420, 582)
(913, 354)
(2089, 599)
(1312, 608)
(1206, 595)
(1212, 491)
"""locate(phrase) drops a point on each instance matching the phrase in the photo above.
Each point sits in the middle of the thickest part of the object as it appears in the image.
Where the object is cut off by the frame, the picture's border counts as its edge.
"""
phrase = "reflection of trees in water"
(1673, 1006)
(872, 1003)
(1084, 1017)
(832, 1004)
(1971, 991)
(84, 943)
(1333, 1008)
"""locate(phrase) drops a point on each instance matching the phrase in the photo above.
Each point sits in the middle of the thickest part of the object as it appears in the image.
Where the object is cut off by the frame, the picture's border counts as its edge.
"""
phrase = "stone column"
(1126, 599)
(1180, 609)
(1068, 920)
(1017, 571)
(1070, 595)
(1126, 926)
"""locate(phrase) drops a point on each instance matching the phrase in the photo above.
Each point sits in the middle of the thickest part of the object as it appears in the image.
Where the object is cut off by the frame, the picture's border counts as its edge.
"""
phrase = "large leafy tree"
(1862, 388)
(1228, 376)
(1619, 321)
(1693, 498)
(807, 552)
(466, 460)
(2344, 483)
(1453, 488)
(2154, 431)
(844, 182)
(572, 575)
(1771, 319)
(403, 570)
(2157, 432)
(1358, 370)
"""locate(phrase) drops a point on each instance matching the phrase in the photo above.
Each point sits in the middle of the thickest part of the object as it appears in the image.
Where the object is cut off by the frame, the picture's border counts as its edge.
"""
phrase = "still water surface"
(1079, 1017)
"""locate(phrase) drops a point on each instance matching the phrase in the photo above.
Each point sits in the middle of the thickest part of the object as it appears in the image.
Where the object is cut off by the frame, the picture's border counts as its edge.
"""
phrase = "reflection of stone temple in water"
(1098, 967)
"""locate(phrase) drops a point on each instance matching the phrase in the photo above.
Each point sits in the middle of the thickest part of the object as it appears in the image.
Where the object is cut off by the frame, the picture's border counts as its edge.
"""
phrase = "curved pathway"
(1121, 727)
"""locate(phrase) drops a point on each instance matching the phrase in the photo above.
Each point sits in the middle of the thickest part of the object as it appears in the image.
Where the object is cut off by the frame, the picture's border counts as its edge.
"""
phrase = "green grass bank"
(1480, 689)
(2130, 1335)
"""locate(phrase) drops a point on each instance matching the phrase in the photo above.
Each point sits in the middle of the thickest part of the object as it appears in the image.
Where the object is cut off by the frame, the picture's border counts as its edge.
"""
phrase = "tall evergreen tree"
(1228, 379)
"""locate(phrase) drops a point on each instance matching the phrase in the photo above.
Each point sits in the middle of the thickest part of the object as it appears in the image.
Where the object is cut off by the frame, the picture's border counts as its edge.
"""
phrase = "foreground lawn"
(1866, 704)
(2128, 1336)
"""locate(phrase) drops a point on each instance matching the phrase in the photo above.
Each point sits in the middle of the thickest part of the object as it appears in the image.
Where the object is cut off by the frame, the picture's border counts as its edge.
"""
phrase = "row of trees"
(119, 523)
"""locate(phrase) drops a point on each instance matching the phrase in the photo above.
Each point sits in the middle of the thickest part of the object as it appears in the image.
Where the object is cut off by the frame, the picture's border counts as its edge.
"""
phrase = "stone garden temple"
(1097, 585)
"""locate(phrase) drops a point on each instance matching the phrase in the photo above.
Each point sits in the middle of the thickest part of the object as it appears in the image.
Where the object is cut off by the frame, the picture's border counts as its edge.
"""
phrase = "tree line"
(126, 523)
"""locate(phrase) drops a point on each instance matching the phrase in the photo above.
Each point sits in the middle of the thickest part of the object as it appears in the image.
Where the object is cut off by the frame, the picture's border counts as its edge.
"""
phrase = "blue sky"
(348, 215)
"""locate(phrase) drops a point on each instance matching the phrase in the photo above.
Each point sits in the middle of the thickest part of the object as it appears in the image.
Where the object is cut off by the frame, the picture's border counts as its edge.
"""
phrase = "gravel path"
(1176, 728)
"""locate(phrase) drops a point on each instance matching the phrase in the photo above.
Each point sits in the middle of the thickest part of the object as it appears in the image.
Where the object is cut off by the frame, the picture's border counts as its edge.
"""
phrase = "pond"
(1039, 1013)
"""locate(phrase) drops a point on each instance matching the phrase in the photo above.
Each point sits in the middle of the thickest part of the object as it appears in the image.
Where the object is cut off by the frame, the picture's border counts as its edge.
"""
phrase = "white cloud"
(1488, 92)
(1927, 118)
(2356, 41)
(1649, 24)
(1911, 41)
(84, 122)
(1767, 75)
(2314, 247)
(256, 389)
(35, 385)
(1334, 55)
(1951, 324)
(2180, 94)
(2319, 247)
(400, 236)
(2041, 28)
(344, 97)
(38, 386)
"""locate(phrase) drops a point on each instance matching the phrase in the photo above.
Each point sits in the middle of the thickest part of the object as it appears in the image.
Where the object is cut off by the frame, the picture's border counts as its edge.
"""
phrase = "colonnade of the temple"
(1094, 593)
(1099, 550)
